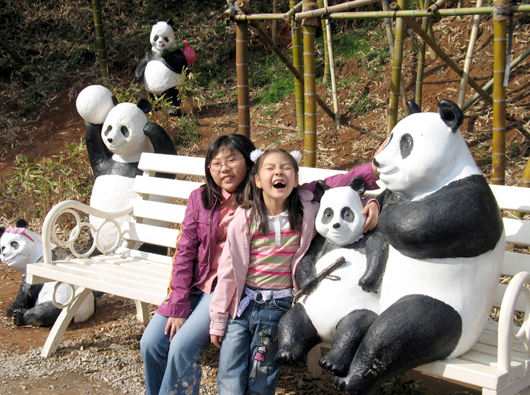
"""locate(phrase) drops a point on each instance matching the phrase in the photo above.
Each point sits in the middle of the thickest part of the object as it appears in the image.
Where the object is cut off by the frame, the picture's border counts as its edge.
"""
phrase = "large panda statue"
(116, 136)
(160, 69)
(33, 305)
(340, 307)
(446, 241)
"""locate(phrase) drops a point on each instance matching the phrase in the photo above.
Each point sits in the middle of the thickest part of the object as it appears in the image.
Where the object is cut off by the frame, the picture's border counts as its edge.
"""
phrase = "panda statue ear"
(358, 185)
(2, 230)
(144, 105)
(21, 223)
(114, 100)
(451, 114)
(170, 22)
(321, 188)
(413, 107)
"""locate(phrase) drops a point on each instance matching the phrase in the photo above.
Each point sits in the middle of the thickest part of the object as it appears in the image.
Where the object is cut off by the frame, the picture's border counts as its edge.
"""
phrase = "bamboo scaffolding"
(335, 8)
(332, 71)
(390, 38)
(418, 97)
(450, 62)
(489, 84)
(469, 56)
(310, 134)
(499, 92)
(294, 9)
(289, 65)
(396, 70)
(299, 67)
(435, 6)
(243, 101)
(100, 40)
(274, 29)
(326, 38)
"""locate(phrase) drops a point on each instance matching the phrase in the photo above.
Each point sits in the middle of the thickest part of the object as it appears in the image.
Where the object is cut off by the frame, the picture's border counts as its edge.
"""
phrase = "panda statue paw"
(334, 365)
(292, 357)
(18, 317)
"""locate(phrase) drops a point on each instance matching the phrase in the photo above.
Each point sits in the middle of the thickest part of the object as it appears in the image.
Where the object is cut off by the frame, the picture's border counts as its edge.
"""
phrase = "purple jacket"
(197, 240)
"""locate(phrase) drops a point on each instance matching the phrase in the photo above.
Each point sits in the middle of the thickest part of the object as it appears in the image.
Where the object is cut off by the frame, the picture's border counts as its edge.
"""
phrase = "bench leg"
(62, 322)
(142, 312)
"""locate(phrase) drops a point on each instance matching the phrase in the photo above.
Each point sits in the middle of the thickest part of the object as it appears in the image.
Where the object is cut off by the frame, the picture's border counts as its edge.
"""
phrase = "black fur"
(461, 219)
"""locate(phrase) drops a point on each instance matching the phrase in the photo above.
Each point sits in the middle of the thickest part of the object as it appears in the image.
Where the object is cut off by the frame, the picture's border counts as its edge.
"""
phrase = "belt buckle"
(261, 300)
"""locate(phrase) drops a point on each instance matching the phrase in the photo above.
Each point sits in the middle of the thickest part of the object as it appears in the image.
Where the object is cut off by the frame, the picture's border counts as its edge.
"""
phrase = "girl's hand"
(173, 325)
(216, 340)
(372, 215)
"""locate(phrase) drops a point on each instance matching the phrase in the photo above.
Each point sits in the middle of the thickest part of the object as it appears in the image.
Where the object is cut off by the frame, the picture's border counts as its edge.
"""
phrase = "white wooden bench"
(126, 272)
(499, 362)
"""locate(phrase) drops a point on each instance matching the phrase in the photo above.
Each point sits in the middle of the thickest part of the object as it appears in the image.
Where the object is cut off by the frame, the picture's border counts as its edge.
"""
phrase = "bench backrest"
(189, 172)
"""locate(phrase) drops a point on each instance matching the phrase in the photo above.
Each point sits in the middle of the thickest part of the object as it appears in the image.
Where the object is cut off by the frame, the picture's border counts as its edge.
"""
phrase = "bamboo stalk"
(450, 62)
(325, 36)
(274, 31)
(469, 57)
(390, 38)
(100, 40)
(418, 97)
(294, 9)
(332, 71)
(298, 65)
(289, 65)
(489, 84)
(243, 101)
(436, 6)
(310, 134)
(499, 94)
(396, 70)
(336, 8)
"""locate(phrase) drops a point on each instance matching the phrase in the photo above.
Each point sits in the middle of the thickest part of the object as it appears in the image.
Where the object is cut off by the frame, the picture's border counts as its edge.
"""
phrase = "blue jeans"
(173, 367)
(246, 363)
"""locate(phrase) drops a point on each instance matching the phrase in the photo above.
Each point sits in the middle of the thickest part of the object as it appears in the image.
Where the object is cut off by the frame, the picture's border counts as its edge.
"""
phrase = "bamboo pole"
(243, 101)
(436, 6)
(326, 38)
(396, 70)
(336, 8)
(294, 9)
(310, 140)
(298, 65)
(390, 38)
(274, 31)
(332, 71)
(450, 62)
(418, 97)
(469, 57)
(489, 84)
(499, 92)
(100, 40)
(289, 65)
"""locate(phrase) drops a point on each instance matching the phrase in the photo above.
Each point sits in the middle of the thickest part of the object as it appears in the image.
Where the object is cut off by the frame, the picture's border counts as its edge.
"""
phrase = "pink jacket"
(234, 262)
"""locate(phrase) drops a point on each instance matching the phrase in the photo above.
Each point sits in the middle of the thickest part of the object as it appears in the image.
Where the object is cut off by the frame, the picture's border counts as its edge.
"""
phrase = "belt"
(261, 296)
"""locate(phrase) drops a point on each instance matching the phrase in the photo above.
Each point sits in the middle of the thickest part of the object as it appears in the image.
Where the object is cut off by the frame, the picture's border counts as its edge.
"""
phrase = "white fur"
(332, 300)
(94, 103)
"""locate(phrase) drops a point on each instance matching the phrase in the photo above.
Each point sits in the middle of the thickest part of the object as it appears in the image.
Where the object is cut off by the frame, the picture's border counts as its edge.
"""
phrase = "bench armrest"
(72, 207)
(506, 324)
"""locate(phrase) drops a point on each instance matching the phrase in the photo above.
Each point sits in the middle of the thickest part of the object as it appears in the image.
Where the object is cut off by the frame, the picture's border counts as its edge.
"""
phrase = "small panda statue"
(447, 241)
(116, 136)
(33, 305)
(161, 68)
(343, 305)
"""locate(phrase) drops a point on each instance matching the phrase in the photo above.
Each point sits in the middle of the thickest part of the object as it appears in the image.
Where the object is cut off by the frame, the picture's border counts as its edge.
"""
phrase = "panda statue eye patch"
(15, 245)
(327, 216)
(405, 145)
(108, 130)
(347, 214)
(156, 38)
(125, 131)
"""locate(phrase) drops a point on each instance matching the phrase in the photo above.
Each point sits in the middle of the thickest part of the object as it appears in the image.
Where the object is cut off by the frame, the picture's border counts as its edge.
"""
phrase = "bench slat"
(172, 164)
(150, 234)
(178, 189)
(517, 231)
(172, 213)
(512, 198)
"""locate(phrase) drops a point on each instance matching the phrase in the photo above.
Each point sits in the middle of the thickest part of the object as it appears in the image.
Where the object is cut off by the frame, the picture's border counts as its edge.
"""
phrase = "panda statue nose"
(110, 140)
(336, 225)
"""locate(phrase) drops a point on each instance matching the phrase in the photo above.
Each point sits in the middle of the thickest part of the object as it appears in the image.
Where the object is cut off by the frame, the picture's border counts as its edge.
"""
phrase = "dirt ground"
(352, 144)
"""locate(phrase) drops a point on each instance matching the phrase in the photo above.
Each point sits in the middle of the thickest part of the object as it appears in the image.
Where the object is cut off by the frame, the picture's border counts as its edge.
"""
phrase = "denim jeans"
(173, 367)
(246, 364)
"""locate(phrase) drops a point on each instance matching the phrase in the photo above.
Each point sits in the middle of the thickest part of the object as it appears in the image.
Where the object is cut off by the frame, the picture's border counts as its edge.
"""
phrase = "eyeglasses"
(231, 163)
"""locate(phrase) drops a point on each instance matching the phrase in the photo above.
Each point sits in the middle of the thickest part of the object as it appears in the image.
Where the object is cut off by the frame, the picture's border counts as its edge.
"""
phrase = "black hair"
(254, 198)
(233, 142)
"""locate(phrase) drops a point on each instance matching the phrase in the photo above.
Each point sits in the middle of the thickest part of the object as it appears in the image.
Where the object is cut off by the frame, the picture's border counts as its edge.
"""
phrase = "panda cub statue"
(33, 305)
(160, 69)
(116, 136)
(340, 307)
(447, 242)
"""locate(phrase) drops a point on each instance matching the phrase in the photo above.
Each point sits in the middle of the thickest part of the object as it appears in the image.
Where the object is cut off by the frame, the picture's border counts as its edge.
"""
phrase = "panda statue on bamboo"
(33, 304)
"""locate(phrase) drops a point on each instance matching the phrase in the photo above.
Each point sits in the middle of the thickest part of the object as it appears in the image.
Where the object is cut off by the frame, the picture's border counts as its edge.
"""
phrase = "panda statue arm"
(376, 249)
(99, 154)
(162, 143)
(26, 297)
(140, 69)
(175, 60)
(305, 272)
